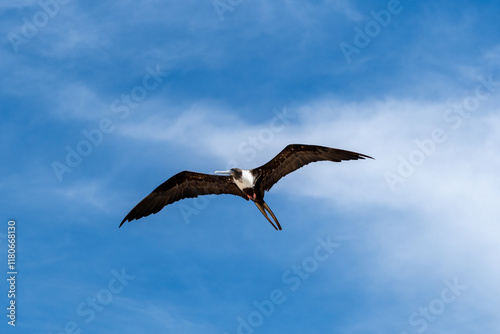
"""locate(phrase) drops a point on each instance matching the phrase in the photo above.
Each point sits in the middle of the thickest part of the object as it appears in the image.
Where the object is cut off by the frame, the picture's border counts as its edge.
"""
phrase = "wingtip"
(123, 221)
(363, 156)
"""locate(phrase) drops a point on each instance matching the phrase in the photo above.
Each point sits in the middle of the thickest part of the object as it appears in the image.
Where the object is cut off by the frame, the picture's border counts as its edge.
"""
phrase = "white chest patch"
(246, 181)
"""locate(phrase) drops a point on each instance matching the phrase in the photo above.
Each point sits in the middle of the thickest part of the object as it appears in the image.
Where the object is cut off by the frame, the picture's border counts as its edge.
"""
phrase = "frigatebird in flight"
(248, 184)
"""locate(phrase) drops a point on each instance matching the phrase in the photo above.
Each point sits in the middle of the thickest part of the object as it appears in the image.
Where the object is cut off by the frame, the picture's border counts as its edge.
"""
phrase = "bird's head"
(235, 172)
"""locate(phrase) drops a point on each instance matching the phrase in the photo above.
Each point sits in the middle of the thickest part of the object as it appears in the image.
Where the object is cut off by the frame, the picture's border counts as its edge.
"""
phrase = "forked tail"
(263, 207)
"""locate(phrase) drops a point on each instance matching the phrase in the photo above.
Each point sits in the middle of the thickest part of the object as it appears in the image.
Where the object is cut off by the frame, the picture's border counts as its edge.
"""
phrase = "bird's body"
(243, 179)
(249, 184)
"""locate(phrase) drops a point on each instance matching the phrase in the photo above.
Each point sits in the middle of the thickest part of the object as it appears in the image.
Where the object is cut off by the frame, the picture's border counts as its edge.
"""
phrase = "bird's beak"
(225, 172)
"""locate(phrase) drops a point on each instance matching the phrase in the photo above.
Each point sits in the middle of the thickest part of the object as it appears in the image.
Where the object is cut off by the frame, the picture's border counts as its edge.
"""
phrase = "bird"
(250, 184)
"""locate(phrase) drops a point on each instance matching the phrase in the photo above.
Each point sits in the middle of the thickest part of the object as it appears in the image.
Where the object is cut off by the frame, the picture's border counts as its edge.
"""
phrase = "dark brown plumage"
(249, 184)
(295, 156)
(182, 185)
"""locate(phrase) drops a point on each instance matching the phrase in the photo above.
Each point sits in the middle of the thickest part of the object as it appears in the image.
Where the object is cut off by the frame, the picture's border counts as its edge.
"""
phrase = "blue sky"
(103, 101)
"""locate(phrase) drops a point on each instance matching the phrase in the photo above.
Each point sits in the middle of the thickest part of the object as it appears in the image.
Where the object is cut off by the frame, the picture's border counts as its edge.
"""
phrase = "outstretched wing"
(185, 184)
(295, 156)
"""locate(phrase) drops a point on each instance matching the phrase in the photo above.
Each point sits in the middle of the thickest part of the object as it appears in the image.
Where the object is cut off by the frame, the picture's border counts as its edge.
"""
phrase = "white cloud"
(77, 101)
